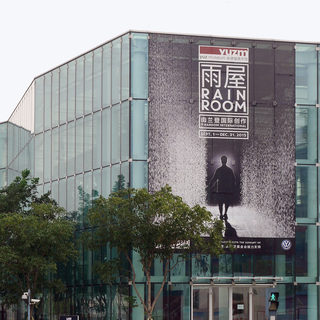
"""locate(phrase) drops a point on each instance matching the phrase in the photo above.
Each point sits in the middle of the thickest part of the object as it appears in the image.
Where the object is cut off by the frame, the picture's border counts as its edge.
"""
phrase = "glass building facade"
(91, 126)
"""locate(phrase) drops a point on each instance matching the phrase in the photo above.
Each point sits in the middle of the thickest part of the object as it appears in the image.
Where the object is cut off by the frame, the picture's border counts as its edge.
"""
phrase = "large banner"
(223, 92)
(217, 146)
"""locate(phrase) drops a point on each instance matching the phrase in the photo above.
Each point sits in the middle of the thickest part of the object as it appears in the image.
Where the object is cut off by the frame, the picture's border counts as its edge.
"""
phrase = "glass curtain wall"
(20, 132)
(307, 181)
(91, 117)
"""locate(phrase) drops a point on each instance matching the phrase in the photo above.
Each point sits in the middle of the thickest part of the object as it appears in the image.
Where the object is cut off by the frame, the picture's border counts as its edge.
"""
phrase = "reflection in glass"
(125, 131)
(306, 134)
(39, 101)
(71, 90)
(125, 67)
(306, 74)
(96, 141)
(115, 143)
(106, 76)
(47, 101)
(139, 130)
(306, 252)
(97, 58)
(88, 143)
(79, 145)
(139, 66)
(63, 93)
(306, 193)
(116, 68)
(106, 137)
(63, 151)
(79, 86)
(55, 97)
(88, 83)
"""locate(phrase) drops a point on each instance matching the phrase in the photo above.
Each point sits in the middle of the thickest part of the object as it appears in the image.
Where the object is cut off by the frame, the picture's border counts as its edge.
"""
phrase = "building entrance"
(230, 302)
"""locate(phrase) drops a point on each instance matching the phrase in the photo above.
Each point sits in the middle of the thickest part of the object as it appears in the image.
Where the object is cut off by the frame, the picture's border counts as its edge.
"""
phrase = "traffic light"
(274, 303)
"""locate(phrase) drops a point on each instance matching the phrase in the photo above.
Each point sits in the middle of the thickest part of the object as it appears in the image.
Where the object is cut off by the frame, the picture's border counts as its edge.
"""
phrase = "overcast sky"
(38, 35)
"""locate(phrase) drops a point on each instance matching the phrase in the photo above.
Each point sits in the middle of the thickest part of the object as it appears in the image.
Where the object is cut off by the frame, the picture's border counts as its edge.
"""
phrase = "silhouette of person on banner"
(224, 182)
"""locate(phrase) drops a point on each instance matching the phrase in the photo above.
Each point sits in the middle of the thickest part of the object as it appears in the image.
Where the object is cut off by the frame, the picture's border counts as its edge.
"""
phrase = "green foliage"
(120, 183)
(155, 225)
(34, 237)
(21, 193)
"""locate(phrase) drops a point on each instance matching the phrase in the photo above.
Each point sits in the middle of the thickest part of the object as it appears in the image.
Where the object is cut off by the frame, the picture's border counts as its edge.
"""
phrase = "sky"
(38, 35)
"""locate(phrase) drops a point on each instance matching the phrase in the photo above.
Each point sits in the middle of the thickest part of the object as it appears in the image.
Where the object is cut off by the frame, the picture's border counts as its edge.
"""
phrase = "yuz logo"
(286, 245)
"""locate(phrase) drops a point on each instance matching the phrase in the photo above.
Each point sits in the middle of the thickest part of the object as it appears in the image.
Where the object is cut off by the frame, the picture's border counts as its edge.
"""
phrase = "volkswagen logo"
(286, 245)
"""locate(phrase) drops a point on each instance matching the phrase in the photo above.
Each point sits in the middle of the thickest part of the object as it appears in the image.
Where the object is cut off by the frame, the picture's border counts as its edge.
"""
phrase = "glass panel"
(222, 265)
(115, 178)
(243, 265)
(106, 137)
(88, 143)
(240, 303)
(125, 175)
(139, 174)
(125, 68)
(55, 97)
(306, 135)
(115, 143)
(306, 253)
(79, 275)
(220, 303)
(39, 101)
(79, 86)
(63, 193)
(71, 148)
(200, 303)
(70, 192)
(10, 143)
(125, 131)
(105, 182)
(79, 197)
(139, 130)
(306, 74)
(259, 307)
(3, 177)
(71, 90)
(55, 153)
(4, 145)
(88, 83)
(47, 101)
(79, 145)
(63, 93)
(96, 141)
(96, 183)
(139, 66)
(306, 193)
(106, 76)
(47, 156)
(63, 151)
(97, 59)
(116, 69)
(180, 273)
(306, 301)
(201, 266)
(284, 266)
(55, 191)
(263, 265)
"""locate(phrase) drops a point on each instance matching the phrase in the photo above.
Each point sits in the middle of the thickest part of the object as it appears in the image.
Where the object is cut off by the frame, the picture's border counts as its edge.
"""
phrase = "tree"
(21, 193)
(35, 236)
(156, 225)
